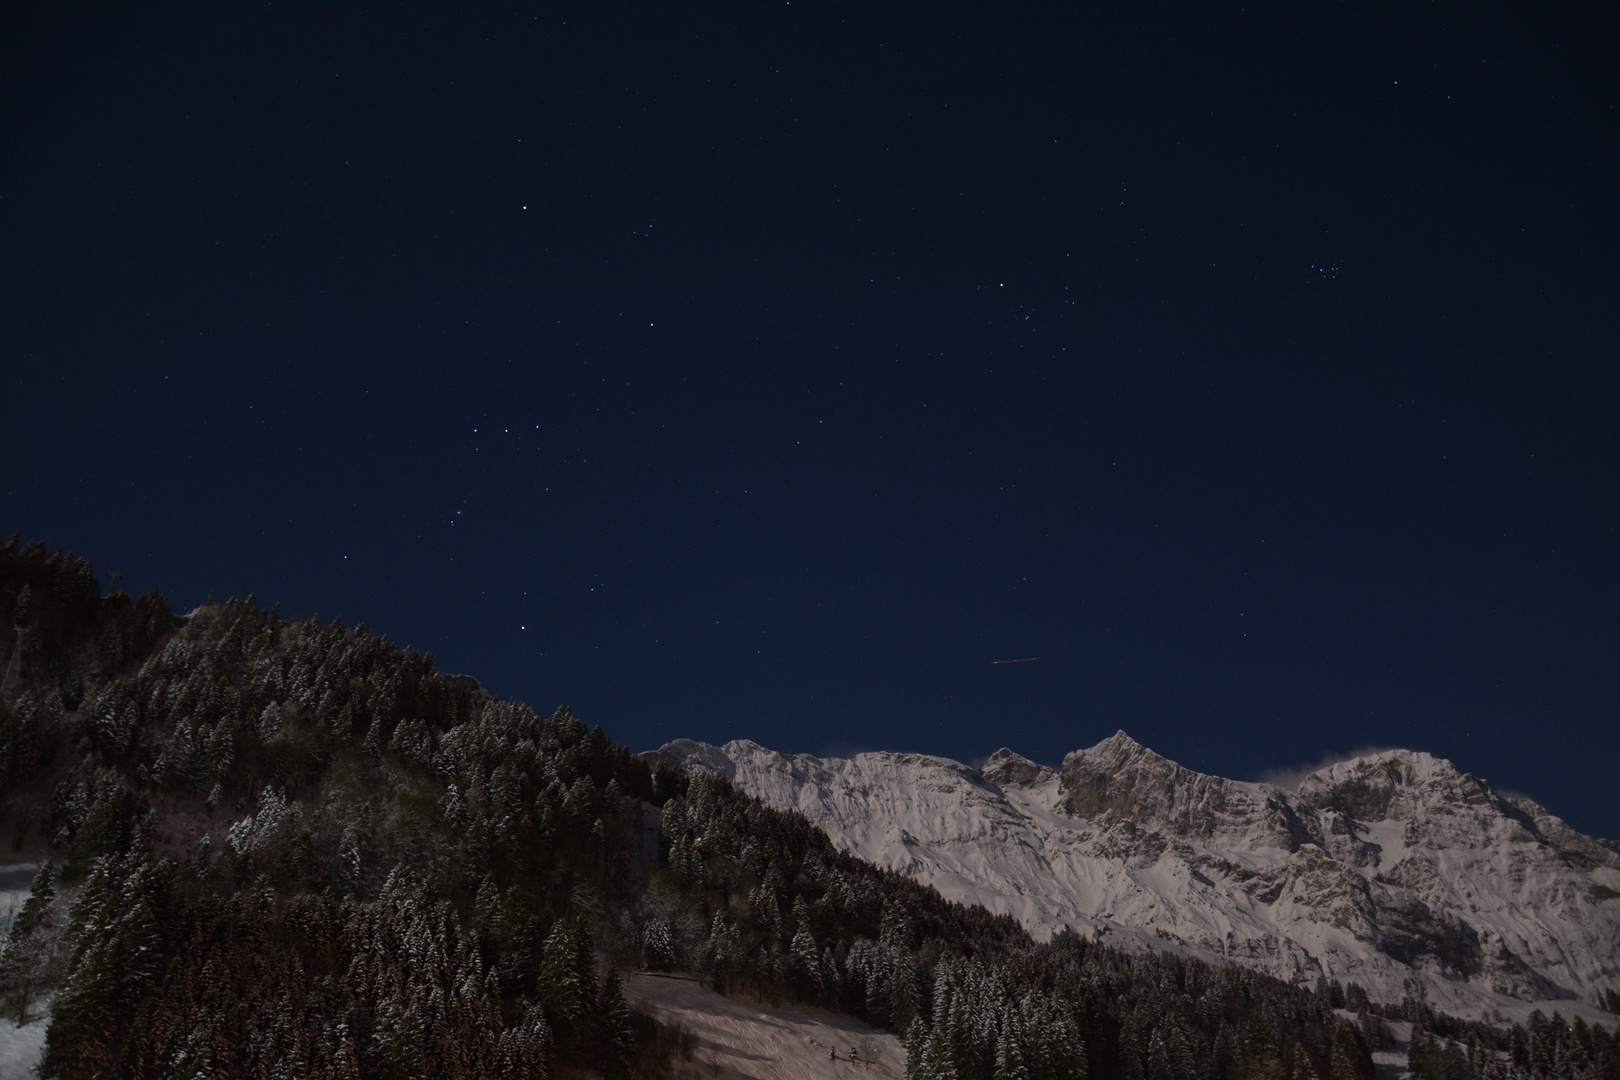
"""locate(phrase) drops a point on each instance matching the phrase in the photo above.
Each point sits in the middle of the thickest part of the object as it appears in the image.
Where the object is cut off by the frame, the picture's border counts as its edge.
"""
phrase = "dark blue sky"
(770, 371)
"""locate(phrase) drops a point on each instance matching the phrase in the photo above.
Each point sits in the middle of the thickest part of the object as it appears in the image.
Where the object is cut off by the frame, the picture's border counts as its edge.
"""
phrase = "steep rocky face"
(1393, 870)
(1121, 780)
(1005, 767)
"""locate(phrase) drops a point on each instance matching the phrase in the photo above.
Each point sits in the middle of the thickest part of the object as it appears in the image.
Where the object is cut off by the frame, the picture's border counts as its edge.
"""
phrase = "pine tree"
(1130, 1062)
(1303, 1069)
(806, 964)
(1158, 1067)
(918, 1063)
(566, 986)
(1422, 1056)
(117, 958)
(1010, 1064)
(1223, 1052)
(25, 952)
(1183, 1062)
(613, 1023)
(1341, 1064)
(1260, 1059)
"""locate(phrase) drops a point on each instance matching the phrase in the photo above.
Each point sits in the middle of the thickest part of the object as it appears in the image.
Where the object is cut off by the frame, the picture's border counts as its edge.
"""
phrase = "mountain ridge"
(1394, 869)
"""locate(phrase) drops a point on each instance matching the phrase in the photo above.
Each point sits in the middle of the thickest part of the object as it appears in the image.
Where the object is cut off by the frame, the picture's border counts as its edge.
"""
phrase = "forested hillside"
(281, 848)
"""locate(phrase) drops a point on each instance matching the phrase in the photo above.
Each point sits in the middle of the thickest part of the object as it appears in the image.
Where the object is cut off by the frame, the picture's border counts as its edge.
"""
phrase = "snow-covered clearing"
(1391, 1064)
(21, 1048)
(16, 882)
(737, 1038)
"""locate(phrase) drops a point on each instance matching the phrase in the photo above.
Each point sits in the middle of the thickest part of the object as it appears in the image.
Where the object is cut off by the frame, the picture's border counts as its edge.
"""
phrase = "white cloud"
(1288, 777)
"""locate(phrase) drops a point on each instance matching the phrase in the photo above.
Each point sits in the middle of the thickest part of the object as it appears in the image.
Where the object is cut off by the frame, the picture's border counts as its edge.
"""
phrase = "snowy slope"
(1392, 870)
(21, 1048)
(739, 1039)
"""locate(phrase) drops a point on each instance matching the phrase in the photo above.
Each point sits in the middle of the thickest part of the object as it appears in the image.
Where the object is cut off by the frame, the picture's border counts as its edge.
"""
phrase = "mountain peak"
(1006, 768)
(1121, 752)
(690, 754)
(1391, 784)
(1121, 749)
(1120, 779)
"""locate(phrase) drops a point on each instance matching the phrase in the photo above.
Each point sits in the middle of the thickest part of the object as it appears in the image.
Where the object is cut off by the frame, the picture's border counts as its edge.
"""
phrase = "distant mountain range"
(1393, 870)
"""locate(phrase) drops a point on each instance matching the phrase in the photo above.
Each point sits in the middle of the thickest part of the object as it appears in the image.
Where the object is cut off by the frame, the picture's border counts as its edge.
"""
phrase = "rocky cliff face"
(1392, 870)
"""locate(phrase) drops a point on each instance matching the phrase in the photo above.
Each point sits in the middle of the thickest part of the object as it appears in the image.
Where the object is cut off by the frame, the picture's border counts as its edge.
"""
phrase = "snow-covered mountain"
(1391, 870)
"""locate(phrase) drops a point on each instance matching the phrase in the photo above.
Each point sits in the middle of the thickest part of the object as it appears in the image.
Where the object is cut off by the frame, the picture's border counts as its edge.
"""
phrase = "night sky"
(770, 372)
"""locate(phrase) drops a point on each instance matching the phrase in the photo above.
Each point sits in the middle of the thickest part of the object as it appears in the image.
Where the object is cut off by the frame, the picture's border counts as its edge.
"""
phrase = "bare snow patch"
(21, 1048)
(737, 1038)
(16, 881)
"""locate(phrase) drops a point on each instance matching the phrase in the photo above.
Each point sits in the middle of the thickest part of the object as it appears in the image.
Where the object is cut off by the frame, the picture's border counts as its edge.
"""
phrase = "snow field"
(738, 1038)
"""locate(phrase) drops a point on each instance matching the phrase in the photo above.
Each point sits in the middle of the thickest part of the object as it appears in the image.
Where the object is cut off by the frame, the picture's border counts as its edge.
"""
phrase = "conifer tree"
(1130, 1062)
(26, 954)
(1158, 1067)
(613, 1025)
(1341, 1063)
(1010, 1063)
